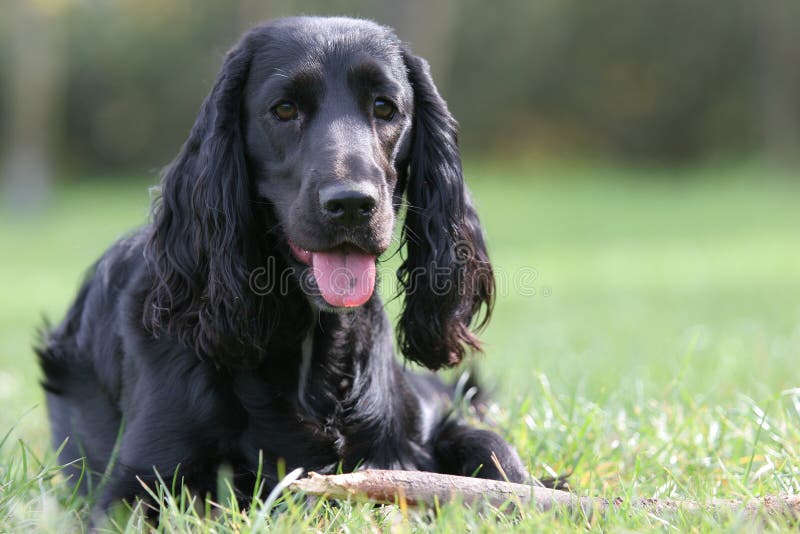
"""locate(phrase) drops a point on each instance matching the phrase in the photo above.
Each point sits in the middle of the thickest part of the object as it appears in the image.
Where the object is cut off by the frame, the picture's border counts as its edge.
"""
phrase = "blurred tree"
(642, 79)
(137, 72)
(778, 22)
(634, 79)
(36, 81)
(430, 29)
(251, 12)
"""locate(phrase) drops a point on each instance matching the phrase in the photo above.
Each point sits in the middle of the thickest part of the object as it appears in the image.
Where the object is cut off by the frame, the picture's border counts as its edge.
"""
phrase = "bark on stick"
(417, 488)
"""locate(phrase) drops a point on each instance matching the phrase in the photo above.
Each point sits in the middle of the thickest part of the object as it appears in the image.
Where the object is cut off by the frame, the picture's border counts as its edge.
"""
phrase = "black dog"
(187, 348)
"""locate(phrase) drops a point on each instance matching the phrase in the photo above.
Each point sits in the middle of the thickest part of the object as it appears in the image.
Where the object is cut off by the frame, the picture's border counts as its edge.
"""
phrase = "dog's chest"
(312, 426)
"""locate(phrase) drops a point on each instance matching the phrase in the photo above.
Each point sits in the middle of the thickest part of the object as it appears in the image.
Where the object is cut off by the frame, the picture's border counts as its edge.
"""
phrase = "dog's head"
(316, 133)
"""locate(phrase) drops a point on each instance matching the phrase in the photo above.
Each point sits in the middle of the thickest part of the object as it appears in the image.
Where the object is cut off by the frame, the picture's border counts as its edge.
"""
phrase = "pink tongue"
(345, 278)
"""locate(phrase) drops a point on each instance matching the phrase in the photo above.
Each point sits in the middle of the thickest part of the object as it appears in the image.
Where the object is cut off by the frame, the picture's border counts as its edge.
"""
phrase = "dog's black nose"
(348, 203)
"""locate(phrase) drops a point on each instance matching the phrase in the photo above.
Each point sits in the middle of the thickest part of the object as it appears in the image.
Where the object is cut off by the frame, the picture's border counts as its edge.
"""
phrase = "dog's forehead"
(326, 44)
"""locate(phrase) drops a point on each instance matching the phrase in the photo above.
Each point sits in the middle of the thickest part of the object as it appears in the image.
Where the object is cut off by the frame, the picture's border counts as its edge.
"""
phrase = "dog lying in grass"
(241, 327)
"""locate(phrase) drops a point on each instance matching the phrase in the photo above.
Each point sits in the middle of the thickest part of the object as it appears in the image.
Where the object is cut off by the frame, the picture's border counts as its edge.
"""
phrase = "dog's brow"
(367, 69)
(370, 73)
(296, 83)
(299, 77)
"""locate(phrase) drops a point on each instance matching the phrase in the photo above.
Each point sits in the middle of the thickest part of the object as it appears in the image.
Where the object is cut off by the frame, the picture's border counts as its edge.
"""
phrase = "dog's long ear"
(197, 251)
(446, 272)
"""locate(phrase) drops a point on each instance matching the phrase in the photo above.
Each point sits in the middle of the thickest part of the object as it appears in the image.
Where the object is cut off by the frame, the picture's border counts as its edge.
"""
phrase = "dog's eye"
(383, 109)
(285, 111)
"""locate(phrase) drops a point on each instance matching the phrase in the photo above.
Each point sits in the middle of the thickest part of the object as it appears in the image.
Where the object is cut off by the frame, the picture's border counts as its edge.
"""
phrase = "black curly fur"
(170, 349)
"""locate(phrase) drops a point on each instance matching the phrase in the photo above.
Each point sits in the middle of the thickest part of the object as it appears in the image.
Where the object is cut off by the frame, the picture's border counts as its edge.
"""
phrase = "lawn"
(645, 338)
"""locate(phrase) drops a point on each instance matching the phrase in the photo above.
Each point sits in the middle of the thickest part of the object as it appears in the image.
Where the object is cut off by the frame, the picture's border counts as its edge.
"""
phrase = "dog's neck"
(339, 374)
(338, 353)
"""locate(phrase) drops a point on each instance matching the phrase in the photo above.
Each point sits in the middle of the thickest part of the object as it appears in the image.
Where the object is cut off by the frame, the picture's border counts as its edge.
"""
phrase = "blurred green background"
(639, 156)
(115, 85)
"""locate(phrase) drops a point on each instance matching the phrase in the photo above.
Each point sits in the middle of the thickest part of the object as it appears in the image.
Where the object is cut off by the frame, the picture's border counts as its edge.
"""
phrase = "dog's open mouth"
(345, 275)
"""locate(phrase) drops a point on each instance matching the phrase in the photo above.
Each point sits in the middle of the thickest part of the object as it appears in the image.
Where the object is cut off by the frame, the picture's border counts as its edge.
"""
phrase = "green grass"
(646, 339)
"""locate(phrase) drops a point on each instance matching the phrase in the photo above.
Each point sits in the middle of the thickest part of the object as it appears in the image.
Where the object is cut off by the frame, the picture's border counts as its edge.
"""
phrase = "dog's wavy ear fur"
(197, 252)
(446, 272)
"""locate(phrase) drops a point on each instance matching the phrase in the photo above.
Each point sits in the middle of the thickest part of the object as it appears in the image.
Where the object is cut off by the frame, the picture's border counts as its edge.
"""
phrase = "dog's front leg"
(154, 448)
(462, 450)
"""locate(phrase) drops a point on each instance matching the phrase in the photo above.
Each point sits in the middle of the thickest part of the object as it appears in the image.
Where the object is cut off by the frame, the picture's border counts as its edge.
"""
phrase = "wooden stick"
(424, 489)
